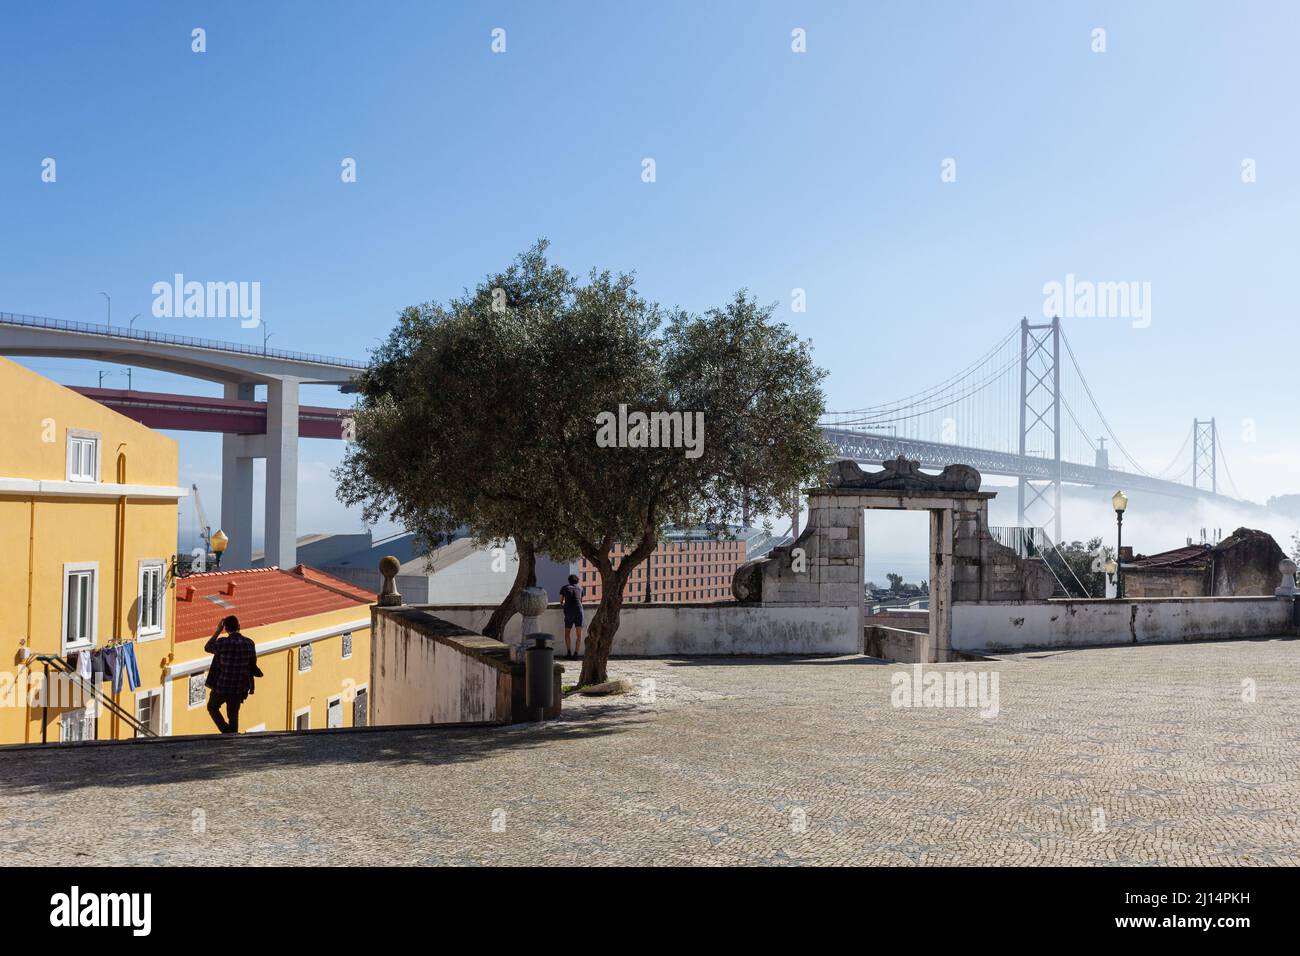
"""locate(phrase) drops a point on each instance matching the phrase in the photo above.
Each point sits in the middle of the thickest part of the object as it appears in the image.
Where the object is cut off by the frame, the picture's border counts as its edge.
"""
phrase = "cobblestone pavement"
(1135, 755)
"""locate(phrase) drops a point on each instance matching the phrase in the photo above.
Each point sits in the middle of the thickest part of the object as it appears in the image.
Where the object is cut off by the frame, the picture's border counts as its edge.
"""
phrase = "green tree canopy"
(561, 414)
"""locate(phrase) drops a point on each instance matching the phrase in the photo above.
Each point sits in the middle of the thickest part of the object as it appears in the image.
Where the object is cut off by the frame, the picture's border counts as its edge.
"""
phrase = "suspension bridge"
(1025, 410)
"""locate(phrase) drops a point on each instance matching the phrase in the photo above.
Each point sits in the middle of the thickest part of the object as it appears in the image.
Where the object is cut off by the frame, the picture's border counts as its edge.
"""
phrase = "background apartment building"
(690, 566)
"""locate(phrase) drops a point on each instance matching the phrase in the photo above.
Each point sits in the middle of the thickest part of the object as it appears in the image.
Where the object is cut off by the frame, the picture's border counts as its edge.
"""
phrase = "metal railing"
(109, 704)
(1036, 544)
(131, 335)
(1025, 542)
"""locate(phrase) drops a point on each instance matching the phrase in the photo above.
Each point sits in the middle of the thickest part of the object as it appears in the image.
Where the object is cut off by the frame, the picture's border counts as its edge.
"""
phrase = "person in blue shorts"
(571, 601)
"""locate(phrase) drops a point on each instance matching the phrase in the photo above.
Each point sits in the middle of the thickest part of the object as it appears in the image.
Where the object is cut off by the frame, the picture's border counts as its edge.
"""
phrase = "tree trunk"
(600, 635)
(604, 623)
(525, 577)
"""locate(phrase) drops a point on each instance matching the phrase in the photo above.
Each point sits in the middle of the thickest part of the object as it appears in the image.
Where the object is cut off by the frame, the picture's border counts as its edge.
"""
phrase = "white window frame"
(77, 436)
(351, 641)
(152, 634)
(157, 695)
(298, 713)
(330, 702)
(311, 658)
(78, 568)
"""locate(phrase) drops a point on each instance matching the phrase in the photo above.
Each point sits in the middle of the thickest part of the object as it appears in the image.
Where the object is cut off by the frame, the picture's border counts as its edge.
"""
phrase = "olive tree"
(574, 416)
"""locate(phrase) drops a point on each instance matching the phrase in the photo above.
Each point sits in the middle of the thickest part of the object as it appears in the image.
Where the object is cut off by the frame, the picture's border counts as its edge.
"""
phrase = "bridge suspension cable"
(1187, 439)
(916, 397)
(1223, 459)
(1097, 408)
(1020, 405)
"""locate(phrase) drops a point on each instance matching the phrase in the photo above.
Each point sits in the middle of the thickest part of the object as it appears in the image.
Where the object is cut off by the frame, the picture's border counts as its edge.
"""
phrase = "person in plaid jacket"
(230, 678)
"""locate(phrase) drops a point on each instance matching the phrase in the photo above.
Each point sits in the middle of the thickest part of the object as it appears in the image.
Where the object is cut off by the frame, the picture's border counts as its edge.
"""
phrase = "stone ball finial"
(1288, 587)
(388, 567)
(532, 601)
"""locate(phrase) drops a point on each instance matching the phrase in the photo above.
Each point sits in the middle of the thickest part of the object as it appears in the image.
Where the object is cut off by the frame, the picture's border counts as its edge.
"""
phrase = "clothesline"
(112, 663)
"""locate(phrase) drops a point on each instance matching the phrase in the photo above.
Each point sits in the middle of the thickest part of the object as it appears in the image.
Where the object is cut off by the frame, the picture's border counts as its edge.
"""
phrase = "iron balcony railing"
(132, 335)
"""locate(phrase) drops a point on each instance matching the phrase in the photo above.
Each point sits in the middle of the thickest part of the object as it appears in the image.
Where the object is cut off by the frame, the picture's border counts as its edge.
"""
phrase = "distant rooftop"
(1193, 556)
(733, 532)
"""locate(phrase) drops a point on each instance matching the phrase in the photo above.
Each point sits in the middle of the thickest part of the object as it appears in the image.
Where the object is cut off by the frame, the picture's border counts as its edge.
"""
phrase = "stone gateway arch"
(824, 565)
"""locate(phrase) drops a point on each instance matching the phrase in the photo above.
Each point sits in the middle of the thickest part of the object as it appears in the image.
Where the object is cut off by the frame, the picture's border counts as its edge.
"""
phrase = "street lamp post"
(219, 542)
(110, 308)
(1119, 501)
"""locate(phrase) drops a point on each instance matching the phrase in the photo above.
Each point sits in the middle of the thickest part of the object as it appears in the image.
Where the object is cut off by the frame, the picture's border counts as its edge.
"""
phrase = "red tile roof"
(261, 596)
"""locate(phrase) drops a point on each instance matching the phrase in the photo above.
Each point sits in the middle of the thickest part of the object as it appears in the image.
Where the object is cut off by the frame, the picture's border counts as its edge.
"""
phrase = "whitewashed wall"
(992, 628)
(700, 629)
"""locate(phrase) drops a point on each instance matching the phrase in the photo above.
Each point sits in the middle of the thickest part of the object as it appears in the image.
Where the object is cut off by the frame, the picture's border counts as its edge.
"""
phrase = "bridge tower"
(1205, 460)
(1040, 422)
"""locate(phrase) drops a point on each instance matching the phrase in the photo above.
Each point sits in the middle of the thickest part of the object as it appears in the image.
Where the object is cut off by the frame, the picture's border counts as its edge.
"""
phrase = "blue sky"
(775, 170)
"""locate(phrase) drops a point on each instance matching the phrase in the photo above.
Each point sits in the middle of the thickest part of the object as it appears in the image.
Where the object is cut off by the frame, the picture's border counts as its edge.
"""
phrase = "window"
(347, 644)
(77, 724)
(304, 658)
(334, 712)
(148, 711)
(361, 708)
(302, 719)
(80, 602)
(153, 590)
(83, 456)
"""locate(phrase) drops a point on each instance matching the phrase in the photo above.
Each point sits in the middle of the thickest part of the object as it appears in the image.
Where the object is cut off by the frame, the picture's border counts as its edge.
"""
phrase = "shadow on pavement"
(151, 763)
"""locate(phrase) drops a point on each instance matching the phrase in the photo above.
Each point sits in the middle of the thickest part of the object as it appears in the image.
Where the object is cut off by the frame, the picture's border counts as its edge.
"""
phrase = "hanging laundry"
(84, 661)
(126, 657)
(97, 666)
(112, 669)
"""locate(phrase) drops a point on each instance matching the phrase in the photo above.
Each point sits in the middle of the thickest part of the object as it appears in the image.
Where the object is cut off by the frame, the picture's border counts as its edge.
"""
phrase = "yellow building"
(88, 537)
(312, 633)
(88, 504)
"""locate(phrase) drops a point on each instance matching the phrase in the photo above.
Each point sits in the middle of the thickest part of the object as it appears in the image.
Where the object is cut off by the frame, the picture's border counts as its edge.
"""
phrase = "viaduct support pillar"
(237, 490)
(282, 473)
